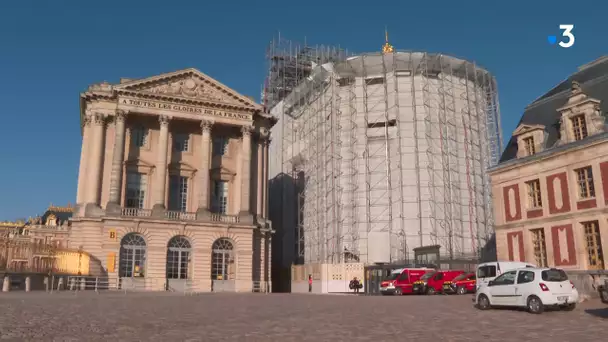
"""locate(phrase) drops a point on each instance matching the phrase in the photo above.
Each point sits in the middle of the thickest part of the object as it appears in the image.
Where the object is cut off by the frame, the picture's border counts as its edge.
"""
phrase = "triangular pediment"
(190, 84)
(524, 128)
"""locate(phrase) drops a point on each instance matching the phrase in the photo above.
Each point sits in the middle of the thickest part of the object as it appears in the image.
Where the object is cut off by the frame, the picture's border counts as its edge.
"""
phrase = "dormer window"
(579, 127)
(529, 146)
(530, 138)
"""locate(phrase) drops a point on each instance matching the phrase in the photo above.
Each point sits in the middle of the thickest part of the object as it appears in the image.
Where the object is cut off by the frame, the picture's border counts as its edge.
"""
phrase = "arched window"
(132, 256)
(178, 257)
(222, 260)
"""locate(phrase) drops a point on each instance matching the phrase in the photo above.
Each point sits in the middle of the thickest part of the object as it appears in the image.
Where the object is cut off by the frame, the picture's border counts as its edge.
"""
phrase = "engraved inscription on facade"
(184, 109)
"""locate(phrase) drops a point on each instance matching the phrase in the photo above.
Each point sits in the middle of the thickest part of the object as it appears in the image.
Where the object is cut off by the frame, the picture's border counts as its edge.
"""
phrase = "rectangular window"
(595, 255)
(579, 127)
(220, 146)
(529, 146)
(534, 196)
(220, 197)
(139, 136)
(181, 142)
(540, 247)
(584, 177)
(178, 193)
(136, 190)
(486, 271)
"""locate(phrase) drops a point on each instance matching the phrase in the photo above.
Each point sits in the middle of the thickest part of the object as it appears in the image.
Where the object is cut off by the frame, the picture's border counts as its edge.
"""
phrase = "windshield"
(461, 277)
(428, 275)
(392, 276)
(554, 275)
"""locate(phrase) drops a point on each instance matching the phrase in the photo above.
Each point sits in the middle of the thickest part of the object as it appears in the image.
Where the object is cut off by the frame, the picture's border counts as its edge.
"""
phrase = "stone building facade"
(172, 184)
(40, 244)
(550, 190)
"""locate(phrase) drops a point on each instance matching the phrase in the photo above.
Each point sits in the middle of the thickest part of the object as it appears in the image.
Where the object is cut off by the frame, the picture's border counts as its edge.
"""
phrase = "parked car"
(532, 288)
(401, 280)
(603, 290)
(462, 284)
(432, 282)
(490, 270)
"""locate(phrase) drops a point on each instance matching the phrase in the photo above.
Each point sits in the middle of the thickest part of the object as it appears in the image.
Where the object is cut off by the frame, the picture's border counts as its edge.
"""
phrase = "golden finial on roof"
(387, 48)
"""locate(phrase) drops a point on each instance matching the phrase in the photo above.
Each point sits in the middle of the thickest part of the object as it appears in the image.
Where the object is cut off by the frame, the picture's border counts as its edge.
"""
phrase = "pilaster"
(84, 155)
(158, 209)
(118, 156)
(245, 171)
(259, 186)
(265, 181)
(94, 165)
(203, 172)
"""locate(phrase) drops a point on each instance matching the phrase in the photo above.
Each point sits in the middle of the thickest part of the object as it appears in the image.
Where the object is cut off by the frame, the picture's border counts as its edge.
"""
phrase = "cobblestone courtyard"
(282, 317)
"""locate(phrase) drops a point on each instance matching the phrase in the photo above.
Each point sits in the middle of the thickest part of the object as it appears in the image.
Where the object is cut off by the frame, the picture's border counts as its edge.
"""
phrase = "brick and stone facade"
(551, 186)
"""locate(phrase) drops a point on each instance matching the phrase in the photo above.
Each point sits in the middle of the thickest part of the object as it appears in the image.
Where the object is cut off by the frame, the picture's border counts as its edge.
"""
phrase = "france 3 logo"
(568, 40)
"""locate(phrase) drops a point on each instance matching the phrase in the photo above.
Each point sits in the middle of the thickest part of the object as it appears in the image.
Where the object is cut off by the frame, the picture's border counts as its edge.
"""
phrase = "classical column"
(203, 172)
(161, 167)
(259, 186)
(84, 154)
(118, 156)
(94, 160)
(265, 189)
(245, 172)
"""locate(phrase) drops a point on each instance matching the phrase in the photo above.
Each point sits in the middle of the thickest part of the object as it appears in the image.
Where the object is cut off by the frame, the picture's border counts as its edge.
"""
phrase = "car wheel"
(398, 291)
(430, 291)
(570, 307)
(604, 296)
(535, 305)
(483, 303)
(461, 290)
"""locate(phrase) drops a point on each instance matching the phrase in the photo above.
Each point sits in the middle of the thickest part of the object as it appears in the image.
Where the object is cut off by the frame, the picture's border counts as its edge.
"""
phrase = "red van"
(463, 284)
(401, 280)
(432, 282)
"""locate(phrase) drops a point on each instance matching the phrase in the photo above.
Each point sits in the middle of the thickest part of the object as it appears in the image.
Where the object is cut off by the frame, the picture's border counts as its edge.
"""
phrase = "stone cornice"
(139, 89)
(176, 75)
(170, 223)
(183, 100)
(543, 221)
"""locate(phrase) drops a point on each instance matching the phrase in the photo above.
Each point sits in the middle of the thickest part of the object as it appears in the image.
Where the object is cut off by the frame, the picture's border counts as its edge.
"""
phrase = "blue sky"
(51, 50)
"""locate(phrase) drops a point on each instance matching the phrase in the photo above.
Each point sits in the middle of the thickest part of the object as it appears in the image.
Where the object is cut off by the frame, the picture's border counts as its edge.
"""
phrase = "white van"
(490, 270)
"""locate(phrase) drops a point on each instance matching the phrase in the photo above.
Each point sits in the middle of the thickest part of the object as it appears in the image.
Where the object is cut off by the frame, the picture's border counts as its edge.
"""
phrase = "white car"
(532, 288)
(490, 270)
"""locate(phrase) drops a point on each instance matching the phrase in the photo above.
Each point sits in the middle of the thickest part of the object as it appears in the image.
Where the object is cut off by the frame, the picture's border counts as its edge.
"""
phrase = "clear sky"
(50, 51)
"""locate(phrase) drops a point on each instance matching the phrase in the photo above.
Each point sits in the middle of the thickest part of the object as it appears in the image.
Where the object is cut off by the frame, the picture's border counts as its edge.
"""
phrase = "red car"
(432, 282)
(463, 284)
(401, 280)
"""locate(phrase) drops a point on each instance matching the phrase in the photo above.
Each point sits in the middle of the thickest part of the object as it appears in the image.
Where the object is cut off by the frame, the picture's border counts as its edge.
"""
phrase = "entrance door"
(222, 266)
(178, 261)
(132, 262)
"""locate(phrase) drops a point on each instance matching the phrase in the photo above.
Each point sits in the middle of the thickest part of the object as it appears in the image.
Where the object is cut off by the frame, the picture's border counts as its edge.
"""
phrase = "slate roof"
(61, 213)
(593, 78)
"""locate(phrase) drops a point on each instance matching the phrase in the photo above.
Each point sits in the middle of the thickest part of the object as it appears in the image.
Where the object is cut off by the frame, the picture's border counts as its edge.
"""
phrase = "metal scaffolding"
(383, 152)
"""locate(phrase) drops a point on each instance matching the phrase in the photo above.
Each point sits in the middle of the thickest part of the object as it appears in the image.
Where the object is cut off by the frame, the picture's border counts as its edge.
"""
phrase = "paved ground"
(283, 317)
